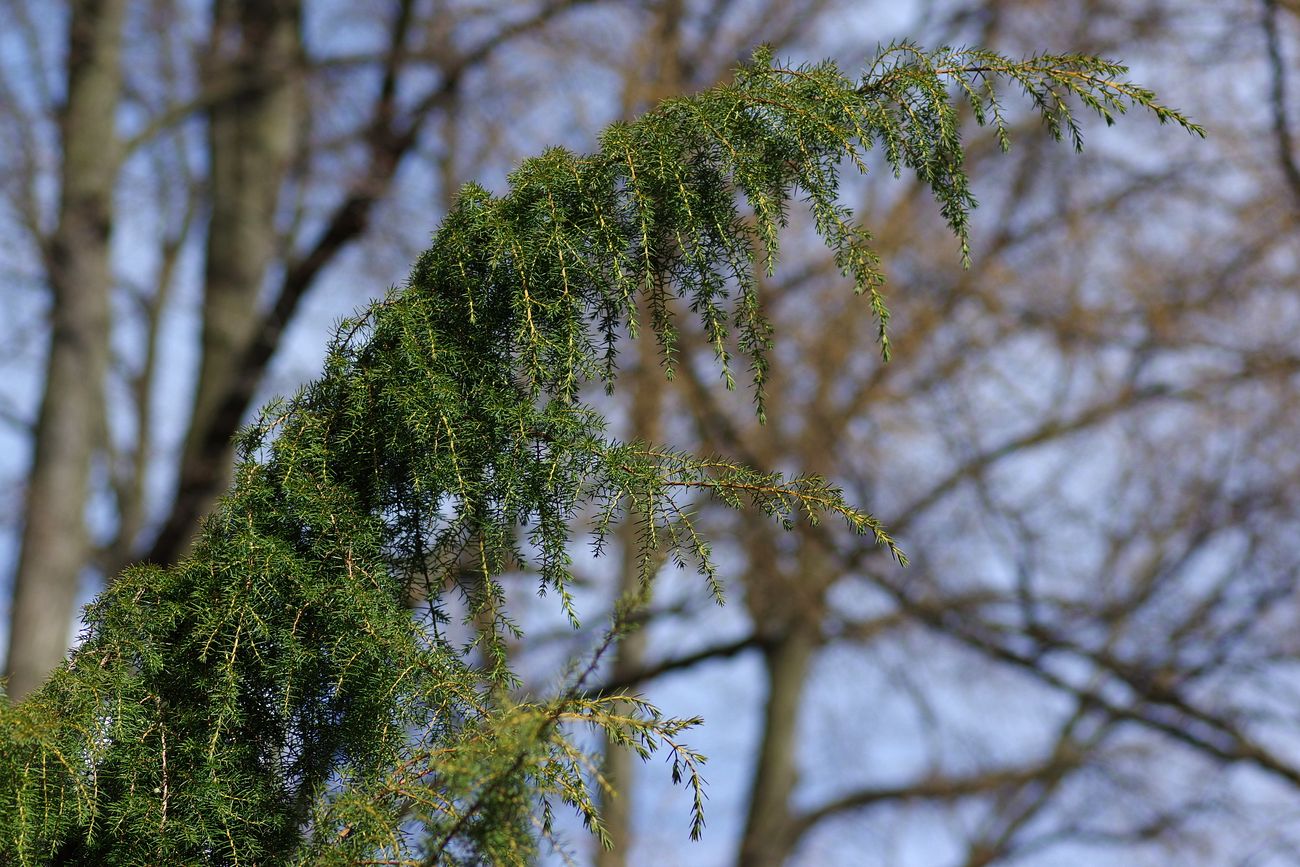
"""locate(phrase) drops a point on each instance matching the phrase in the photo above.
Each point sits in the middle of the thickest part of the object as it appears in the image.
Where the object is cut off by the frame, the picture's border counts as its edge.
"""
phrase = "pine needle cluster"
(289, 693)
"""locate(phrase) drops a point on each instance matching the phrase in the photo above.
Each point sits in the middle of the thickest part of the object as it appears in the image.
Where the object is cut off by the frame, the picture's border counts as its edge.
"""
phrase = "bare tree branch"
(1279, 100)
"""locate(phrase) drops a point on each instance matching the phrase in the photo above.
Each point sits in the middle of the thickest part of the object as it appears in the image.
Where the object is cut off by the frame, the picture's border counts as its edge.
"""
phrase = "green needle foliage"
(288, 694)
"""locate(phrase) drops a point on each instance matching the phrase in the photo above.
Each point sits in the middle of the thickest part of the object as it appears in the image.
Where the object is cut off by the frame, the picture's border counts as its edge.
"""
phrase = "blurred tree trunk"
(787, 606)
(767, 837)
(252, 139)
(55, 547)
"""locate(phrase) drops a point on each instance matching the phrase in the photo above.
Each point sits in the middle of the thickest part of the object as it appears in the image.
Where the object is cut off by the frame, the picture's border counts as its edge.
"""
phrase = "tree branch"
(932, 788)
(1278, 98)
(651, 672)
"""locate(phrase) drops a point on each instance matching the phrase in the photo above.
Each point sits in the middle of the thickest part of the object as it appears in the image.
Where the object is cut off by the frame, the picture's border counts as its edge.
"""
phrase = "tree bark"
(55, 545)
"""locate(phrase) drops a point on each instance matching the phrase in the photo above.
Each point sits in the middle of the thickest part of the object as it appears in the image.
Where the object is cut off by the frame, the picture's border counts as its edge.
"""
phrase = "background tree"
(1099, 609)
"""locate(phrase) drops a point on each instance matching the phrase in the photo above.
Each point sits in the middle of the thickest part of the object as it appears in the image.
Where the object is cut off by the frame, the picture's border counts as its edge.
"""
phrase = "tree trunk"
(69, 429)
(768, 827)
(787, 602)
(253, 138)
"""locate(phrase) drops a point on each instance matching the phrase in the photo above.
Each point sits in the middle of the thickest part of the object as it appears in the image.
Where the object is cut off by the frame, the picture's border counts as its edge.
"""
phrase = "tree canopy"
(290, 692)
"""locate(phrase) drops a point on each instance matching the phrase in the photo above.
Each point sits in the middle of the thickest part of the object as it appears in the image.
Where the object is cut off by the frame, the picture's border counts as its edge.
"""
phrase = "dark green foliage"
(288, 693)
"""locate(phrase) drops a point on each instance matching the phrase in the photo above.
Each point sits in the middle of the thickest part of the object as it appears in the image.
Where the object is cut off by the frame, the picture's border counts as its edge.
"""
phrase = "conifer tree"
(289, 694)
